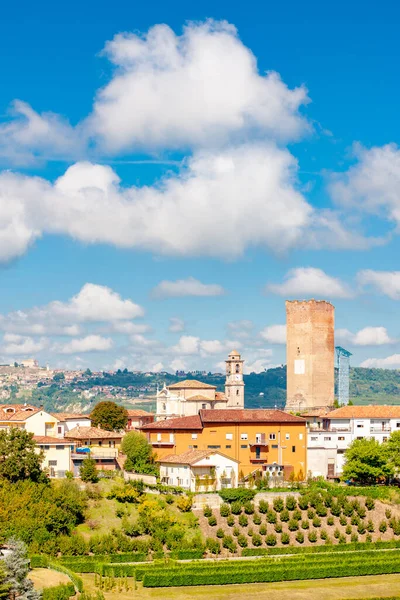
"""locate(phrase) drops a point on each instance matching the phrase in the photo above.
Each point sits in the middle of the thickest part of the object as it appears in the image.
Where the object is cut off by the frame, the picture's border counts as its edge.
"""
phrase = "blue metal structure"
(343, 363)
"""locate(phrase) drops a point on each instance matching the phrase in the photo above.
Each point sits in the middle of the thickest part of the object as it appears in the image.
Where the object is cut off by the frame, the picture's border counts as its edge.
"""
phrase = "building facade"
(103, 446)
(271, 441)
(137, 418)
(310, 354)
(326, 445)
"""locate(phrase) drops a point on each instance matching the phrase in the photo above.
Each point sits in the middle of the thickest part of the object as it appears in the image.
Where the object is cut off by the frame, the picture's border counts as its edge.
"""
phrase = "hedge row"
(350, 547)
(39, 561)
(64, 591)
(124, 557)
(77, 581)
(264, 573)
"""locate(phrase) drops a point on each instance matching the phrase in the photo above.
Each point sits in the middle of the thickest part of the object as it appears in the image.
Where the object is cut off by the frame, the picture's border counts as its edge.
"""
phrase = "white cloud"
(258, 361)
(90, 343)
(178, 365)
(274, 334)
(201, 88)
(17, 345)
(242, 329)
(142, 341)
(129, 328)
(305, 282)
(186, 287)
(368, 336)
(372, 184)
(176, 325)
(390, 362)
(385, 282)
(187, 344)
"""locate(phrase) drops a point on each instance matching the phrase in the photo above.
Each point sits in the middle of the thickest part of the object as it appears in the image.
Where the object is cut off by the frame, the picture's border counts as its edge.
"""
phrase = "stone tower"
(234, 384)
(310, 354)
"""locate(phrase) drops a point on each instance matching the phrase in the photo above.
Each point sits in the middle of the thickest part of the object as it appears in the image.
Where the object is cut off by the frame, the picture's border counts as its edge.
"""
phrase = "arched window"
(164, 406)
(237, 392)
(237, 368)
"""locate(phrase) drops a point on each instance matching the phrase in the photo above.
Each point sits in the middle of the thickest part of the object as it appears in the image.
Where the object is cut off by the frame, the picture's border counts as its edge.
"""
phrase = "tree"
(366, 462)
(19, 456)
(88, 372)
(139, 453)
(392, 448)
(88, 470)
(109, 416)
(59, 377)
(4, 585)
(17, 567)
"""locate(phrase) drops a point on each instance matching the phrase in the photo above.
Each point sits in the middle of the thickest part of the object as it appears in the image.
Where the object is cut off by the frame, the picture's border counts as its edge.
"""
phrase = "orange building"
(271, 441)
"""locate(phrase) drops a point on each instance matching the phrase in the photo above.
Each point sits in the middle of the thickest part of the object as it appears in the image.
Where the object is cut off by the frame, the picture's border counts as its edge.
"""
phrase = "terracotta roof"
(199, 397)
(138, 413)
(366, 412)
(91, 433)
(192, 422)
(221, 396)
(69, 416)
(190, 457)
(20, 413)
(225, 415)
(315, 412)
(191, 383)
(45, 439)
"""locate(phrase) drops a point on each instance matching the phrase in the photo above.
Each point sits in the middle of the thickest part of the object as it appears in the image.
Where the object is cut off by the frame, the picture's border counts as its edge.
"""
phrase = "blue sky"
(171, 173)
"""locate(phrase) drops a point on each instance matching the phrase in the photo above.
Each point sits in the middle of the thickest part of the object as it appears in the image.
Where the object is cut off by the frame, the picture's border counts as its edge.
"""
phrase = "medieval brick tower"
(310, 354)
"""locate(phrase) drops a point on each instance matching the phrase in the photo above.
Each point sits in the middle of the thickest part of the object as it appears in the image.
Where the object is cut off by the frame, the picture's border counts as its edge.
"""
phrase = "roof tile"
(91, 433)
(365, 412)
(191, 383)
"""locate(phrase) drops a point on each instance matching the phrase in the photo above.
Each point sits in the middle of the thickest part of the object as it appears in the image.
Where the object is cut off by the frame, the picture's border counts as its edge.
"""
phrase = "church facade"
(187, 397)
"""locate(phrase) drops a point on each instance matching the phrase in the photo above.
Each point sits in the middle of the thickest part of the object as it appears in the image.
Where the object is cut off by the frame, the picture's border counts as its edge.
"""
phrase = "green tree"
(109, 416)
(19, 456)
(59, 377)
(139, 453)
(88, 372)
(392, 447)
(366, 462)
(17, 567)
(88, 470)
(4, 585)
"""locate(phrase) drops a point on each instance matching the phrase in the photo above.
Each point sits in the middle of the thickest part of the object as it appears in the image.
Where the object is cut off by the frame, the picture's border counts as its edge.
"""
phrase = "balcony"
(163, 444)
(96, 453)
(380, 430)
(258, 460)
(260, 443)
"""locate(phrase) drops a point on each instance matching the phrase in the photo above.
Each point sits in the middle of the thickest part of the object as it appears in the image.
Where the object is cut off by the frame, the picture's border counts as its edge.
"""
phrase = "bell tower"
(234, 384)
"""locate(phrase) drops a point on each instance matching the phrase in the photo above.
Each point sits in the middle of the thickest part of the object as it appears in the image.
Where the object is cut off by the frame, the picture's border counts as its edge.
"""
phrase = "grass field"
(47, 578)
(380, 586)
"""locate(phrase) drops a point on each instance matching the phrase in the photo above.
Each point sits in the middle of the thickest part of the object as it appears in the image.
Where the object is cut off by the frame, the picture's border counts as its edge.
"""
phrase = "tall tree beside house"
(139, 454)
(19, 456)
(109, 416)
(392, 447)
(17, 567)
(88, 471)
(366, 462)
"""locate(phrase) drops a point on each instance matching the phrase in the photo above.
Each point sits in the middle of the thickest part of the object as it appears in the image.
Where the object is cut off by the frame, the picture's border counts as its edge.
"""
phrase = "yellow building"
(270, 441)
(97, 443)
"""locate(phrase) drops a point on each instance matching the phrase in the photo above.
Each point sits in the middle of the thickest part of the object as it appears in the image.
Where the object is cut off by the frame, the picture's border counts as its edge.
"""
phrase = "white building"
(68, 421)
(186, 398)
(328, 442)
(57, 455)
(199, 470)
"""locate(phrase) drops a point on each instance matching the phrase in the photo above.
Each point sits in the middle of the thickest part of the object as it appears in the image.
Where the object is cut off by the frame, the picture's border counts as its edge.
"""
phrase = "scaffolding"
(343, 363)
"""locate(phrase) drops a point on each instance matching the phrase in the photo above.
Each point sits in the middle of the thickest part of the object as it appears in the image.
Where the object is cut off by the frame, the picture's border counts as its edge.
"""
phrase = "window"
(293, 448)
(360, 437)
(47, 447)
(359, 425)
(287, 436)
(272, 436)
(397, 424)
(384, 439)
(214, 447)
(229, 436)
(228, 446)
(52, 463)
(60, 429)
(258, 452)
(172, 469)
(237, 392)
(171, 437)
(300, 436)
(194, 436)
(61, 447)
(340, 451)
(327, 438)
(243, 436)
(237, 369)
(195, 447)
(314, 438)
(164, 407)
(100, 443)
(244, 446)
(204, 406)
(159, 437)
(341, 438)
(275, 446)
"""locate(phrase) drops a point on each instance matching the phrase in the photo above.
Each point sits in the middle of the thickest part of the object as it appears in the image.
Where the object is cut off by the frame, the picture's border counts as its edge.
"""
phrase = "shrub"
(263, 507)
(299, 537)
(321, 510)
(256, 519)
(242, 540)
(249, 508)
(241, 495)
(312, 536)
(263, 529)
(229, 543)
(342, 520)
(285, 538)
(382, 526)
(310, 513)
(169, 499)
(342, 539)
(323, 534)
(236, 508)
(184, 503)
(388, 513)
(250, 531)
(348, 529)
(243, 521)
(303, 502)
(370, 526)
(328, 500)
(284, 516)
(220, 533)
(63, 591)
(348, 509)
(291, 503)
(305, 524)
(354, 537)
(270, 540)
(368, 538)
(256, 540)
(212, 521)
(230, 521)
(336, 533)
(278, 504)
(330, 521)
(369, 503)
(225, 510)
(207, 512)
(213, 546)
(355, 519)
(271, 516)
(278, 527)
(361, 528)
(362, 512)
(293, 525)
(296, 514)
(336, 509)
(316, 522)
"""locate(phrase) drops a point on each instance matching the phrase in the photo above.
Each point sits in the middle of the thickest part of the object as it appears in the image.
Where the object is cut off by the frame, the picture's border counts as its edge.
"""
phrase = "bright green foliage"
(88, 471)
(212, 521)
(263, 529)
(225, 510)
(63, 591)
(305, 524)
(235, 531)
(213, 546)
(330, 521)
(285, 515)
(370, 526)
(241, 495)
(139, 454)
(229, 543)
(271, 516)
(184, 503)
(342, 520)
(278, 527)
(109, 416)
(278, 504)
(366, 462)
(257, 540)
(285, 538)
(19, 459)
(242, 540)
(382, 526)
(263, 506)
(293, 525)
(248, 508)
(300, 537)
(220, 533)
(236, 507)
(316, 522)
(312, 536)
(296, 515)
(392, 448)
(323, 534)
(348, 530)
(243, 521)
(291, 503)
(369, 502)
(270, 540)
(256, 519)
(230, 521)
(207, 511)
(4, 585)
